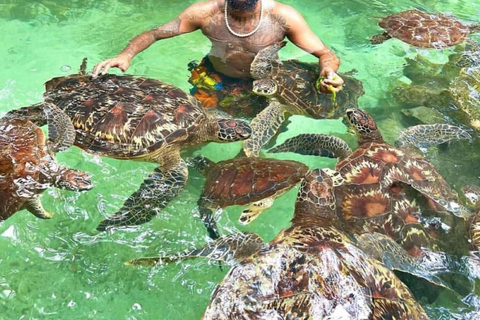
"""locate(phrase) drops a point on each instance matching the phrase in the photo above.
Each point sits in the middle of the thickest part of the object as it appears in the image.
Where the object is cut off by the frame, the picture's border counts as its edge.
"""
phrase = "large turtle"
(129, 117)
(423, 29)
(28, 166)
(465, 91)
(291, 87)
(382, 184)
(309, 271)
(242, 181)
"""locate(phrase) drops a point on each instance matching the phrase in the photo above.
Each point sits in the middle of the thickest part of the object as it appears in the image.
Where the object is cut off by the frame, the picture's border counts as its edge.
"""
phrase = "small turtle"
(310, 271)
(382, 183)
(28, 166)
(129, 117)
(424, 115)
(242, 181)
(465, 91)
(423, 29)
(291, 85)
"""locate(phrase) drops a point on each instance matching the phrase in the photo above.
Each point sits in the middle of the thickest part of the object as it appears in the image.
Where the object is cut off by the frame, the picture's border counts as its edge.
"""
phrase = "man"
(238, 29)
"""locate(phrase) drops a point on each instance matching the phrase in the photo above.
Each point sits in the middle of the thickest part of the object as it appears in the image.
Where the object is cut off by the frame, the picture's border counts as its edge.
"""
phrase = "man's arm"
(189, 20)
(302, 36)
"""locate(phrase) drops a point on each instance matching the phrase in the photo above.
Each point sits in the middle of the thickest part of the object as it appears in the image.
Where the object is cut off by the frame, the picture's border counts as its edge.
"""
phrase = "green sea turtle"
(382, 186)
(242, 181)
(291, 87)
(310, 271)
(129, 117)
(465, 91)
(423, 29)
(28, 166)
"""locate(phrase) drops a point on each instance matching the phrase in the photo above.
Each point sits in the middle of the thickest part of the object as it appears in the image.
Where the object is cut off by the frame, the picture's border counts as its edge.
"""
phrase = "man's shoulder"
(208, 5)
(284, 10)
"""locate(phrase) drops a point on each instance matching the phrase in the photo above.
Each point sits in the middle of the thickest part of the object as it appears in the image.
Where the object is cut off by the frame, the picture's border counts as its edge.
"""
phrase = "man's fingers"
(106, 67)
(99, 67)
(336, 83)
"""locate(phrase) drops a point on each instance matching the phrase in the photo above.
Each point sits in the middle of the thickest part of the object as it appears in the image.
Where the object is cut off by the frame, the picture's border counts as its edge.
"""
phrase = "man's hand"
(330, 81)
(121, 62)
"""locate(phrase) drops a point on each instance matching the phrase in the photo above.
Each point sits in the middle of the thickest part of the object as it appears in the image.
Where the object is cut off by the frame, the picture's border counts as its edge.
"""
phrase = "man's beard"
(247, 5)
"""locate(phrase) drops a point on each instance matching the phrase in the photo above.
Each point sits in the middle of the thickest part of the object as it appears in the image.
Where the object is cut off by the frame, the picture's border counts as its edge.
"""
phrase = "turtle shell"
(296, 88)
(312, 273)
(382, 192)
(22, 158)
(125, 116)
(424, 29)
(241, 181)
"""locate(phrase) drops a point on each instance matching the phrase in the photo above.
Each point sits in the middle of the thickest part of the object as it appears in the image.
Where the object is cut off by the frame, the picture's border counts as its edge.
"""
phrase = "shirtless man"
(238, 29)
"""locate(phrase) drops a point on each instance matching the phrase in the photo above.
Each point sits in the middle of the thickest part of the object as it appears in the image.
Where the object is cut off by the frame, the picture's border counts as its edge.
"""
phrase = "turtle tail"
(34, 113)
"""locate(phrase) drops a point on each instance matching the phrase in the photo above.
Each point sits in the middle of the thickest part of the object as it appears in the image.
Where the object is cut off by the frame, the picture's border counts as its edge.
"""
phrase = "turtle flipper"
(387, 251)
(254, 210)
(380, 38)
(156, 191)
(315, 145)
(35, 207)
(236, 246)
(424, 135)
(264, 126)
(61, 131)
(73, 180)
(385, 309)
(34, 113)
(262, 63)
(206, 214)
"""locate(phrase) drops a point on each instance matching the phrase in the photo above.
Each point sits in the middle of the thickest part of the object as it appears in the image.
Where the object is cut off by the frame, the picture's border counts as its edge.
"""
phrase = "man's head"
(242, 5)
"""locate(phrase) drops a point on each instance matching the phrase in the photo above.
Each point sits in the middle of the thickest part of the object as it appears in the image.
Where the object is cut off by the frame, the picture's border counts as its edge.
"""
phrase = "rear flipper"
(264, 127)
(386, 250)
(234, 247)
(315, 145)
(254, 210)
(158, 189)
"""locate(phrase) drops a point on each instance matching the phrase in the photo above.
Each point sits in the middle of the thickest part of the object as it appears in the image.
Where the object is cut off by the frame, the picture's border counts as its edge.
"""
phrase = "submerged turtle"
(291, 85)
(310, 271)
(423, 29)
(382, 184)
(465, 91)
(242, 181)
(129, 117)
(28, 166)
(424, 115)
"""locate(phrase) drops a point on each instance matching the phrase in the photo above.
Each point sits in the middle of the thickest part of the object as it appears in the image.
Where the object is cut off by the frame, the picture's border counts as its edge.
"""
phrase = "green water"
(64, 269)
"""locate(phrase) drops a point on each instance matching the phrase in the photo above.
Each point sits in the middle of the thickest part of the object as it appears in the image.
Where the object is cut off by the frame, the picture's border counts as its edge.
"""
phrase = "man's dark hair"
(246, 5)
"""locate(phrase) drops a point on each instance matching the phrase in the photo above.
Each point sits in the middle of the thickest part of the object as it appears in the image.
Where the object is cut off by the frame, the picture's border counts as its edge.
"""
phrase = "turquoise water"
(63, 268)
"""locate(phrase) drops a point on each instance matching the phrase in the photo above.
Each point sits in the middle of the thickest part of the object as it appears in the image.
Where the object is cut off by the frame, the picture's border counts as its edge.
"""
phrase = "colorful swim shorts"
(231, 95)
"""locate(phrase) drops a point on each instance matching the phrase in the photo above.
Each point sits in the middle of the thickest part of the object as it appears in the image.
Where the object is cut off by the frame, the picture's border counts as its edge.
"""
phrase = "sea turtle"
(424, 115)
(465, 91)
(242, 181)
(130, 117)
(28, 166)
(310, 271)
(291, 86)
(423, 29)
(382, 184)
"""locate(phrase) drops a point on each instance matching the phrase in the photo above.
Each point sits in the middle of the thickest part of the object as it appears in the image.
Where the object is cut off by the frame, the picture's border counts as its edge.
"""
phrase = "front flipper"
(158, 189)
(425, 135)
(315, 145)
(238, 246)
(264, 126)
(61, 131)
(380, 38)
(388, 309)
(254, 210)
(386, 250)
(35, 207)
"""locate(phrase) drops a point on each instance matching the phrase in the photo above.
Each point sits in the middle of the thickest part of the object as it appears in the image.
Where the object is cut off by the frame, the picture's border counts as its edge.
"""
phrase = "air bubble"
(65, 68)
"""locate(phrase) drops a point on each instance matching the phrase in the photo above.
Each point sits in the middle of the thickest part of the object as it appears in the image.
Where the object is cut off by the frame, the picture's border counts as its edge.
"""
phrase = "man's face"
(242, 5)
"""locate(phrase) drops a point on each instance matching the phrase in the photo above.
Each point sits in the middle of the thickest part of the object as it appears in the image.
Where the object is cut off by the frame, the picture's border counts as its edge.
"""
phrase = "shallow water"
(63, 268)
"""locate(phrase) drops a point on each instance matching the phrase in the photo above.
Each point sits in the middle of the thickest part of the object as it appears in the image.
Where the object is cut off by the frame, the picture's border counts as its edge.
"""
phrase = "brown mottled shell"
(125, 116)
(296, 88)
(378, 194)
(22, 156)
(312, 273)
(241, 181)
(425, 30)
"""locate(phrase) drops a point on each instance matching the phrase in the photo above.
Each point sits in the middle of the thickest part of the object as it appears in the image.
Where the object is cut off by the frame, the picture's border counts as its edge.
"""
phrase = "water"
(64, 269)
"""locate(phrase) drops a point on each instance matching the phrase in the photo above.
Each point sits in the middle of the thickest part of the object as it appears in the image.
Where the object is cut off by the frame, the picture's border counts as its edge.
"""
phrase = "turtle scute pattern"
(312, 271)
(425, 30)
(28, 167)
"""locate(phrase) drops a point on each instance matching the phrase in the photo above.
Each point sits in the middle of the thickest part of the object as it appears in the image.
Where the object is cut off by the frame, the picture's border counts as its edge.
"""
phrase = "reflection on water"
(64, 269)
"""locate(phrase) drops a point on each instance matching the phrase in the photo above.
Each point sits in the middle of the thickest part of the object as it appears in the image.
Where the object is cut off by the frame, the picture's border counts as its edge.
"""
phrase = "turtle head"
(230, 130)
(363, 125)
(316, 199)
(265, 87)
(73, 180)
